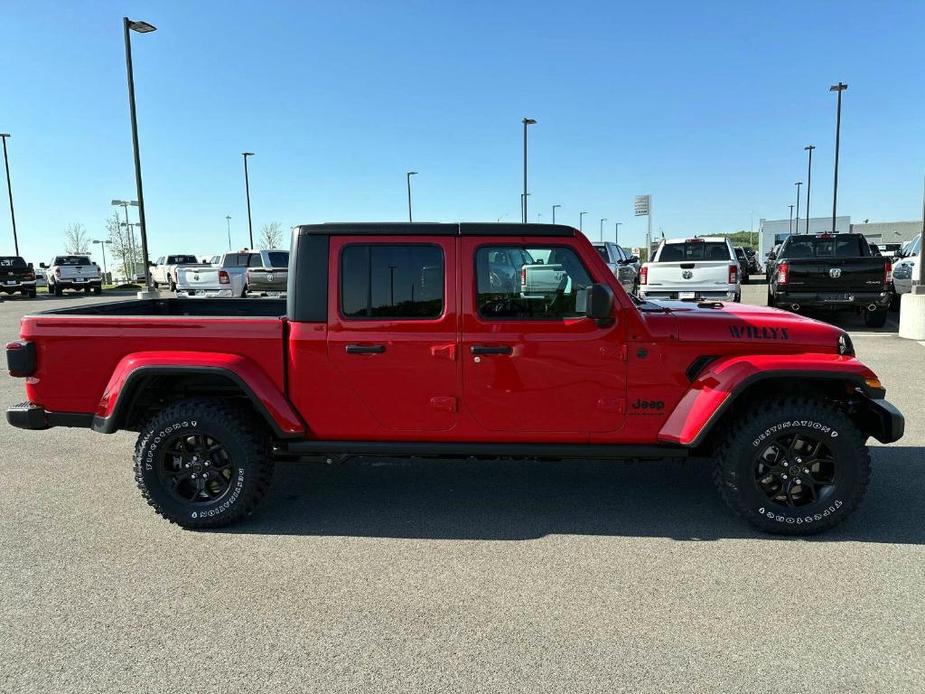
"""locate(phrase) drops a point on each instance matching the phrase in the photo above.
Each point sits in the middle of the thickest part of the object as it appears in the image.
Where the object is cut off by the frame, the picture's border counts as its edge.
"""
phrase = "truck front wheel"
(794, 466)
(202, 463)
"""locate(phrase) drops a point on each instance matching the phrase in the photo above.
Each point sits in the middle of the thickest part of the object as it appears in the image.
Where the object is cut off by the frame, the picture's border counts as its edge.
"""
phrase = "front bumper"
(882, 420)
(834, 299)
(28, 415)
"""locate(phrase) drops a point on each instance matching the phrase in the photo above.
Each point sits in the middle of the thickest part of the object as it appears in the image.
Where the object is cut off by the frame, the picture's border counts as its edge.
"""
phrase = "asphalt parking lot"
(383, 576)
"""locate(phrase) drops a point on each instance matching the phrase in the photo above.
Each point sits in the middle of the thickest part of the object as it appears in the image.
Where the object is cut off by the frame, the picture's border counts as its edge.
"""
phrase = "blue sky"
(707, 105)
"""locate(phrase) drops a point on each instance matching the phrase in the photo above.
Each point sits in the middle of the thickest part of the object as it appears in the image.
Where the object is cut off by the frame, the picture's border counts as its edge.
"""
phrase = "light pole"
(581, 221)
(523, 206)
(838, 88)
(798, 184)
(408, 176)
(228, 219)
(527, 122)
(616, 232)
(809, 180)
(141, 28)
(247, 192)
(103, 249)
(554, 213)
(791, 220)
(9, 190)
(601, 234)
(124, 204)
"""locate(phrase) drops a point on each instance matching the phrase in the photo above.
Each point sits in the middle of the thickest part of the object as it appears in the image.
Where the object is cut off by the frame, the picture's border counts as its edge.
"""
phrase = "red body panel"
(717, 383)
(255, 378)
(80, 358)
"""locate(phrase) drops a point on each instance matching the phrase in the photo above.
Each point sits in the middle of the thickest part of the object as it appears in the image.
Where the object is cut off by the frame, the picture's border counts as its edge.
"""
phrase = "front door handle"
(365, 349)
(491, 349)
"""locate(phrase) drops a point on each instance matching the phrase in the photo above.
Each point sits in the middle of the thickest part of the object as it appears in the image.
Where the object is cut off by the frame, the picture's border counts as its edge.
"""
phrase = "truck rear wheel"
(793, 466)
(202, 463)
(875, 319)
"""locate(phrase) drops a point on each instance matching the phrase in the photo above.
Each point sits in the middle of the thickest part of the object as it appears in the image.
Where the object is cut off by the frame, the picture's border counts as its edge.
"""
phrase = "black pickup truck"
(16, 275)
(832, 271)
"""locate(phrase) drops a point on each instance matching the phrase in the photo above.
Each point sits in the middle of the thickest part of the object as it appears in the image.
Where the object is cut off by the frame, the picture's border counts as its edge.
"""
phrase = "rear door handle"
(491, 349)
(365, 349)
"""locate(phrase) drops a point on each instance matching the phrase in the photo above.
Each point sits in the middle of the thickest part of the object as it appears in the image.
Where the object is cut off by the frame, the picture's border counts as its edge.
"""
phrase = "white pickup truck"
(75, 272)
(164, 271)
(694, 269)
(227, 278)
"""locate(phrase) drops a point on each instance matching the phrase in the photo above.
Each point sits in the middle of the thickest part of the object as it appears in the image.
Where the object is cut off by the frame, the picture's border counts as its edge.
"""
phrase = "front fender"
(719, 384)
(266, 397)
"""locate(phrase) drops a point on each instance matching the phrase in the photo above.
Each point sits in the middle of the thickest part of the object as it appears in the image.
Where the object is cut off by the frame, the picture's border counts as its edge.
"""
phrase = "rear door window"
(386, 281)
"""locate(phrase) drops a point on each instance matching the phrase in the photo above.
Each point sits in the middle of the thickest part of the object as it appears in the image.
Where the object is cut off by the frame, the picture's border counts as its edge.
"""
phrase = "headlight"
(845, 346)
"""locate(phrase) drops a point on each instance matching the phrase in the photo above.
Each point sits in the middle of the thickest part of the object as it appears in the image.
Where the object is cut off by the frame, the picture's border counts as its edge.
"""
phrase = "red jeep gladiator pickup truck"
(425, 340)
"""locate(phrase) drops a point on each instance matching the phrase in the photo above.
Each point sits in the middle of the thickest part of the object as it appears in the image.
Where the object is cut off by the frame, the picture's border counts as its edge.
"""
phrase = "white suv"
(692, 269)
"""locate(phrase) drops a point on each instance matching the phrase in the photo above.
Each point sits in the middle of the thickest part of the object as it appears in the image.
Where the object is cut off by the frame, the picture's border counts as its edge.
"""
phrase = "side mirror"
(151, 263)
(595, 302)
(31, 266)
(43, 266)
(771, 255)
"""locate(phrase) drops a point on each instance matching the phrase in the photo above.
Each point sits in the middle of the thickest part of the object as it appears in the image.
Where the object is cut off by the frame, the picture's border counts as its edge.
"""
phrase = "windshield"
(693, 250)
(71, 260)
(12, 261)
(841, 246)
(279, 258)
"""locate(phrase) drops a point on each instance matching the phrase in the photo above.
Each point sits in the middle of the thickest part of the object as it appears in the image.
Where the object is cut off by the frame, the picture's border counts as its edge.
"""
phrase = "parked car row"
(234, 274)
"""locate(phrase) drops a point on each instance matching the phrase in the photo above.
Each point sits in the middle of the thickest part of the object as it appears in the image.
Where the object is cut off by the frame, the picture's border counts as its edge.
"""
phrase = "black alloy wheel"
(196, 469)
(794, 470)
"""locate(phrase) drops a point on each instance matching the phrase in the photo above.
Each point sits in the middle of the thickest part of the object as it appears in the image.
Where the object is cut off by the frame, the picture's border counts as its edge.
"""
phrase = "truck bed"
(78, 350)
(178, 307)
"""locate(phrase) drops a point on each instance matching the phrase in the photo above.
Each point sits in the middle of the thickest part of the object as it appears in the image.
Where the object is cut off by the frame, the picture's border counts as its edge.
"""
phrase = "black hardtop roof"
(434, 229)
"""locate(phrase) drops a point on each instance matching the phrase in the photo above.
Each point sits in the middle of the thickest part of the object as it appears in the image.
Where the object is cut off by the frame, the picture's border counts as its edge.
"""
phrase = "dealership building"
(773, 231)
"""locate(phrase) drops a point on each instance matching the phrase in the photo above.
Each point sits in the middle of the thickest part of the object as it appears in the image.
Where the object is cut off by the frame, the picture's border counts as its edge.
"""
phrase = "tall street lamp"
(247, 192)
(142, 28)
(527, 122)
(809, 180)
(408, 176)
(523, 206)
(601, 234)
(103, 249)
(125, 204)
(228, 220)
(9, 190)
(791, 220)
(798, 184)
(554, 213)
(581, 221)
(616, 232)
(838, 88)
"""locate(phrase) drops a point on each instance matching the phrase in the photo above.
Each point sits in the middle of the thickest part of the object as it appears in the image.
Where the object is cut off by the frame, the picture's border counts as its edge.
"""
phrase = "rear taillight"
(523, 276)
(783, 270)
(57, 272)
(644, 275)
(30, 275)
(888, 273)
(20, 358)
(733, 274)
(223, 277)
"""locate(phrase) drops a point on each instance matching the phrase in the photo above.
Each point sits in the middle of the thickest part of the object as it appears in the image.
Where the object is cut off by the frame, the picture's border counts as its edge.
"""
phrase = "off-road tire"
(97, 290)
(242, 435)
(875, 319)
(734, 469)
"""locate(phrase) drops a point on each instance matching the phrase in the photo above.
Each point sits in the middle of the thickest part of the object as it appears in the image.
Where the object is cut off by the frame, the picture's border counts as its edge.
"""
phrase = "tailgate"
(77, 273)
(199, 278)
(836, 274)
(696, 273)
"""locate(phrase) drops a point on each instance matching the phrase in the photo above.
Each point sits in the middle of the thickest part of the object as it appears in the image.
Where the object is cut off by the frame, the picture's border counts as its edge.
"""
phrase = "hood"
(743, 324)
